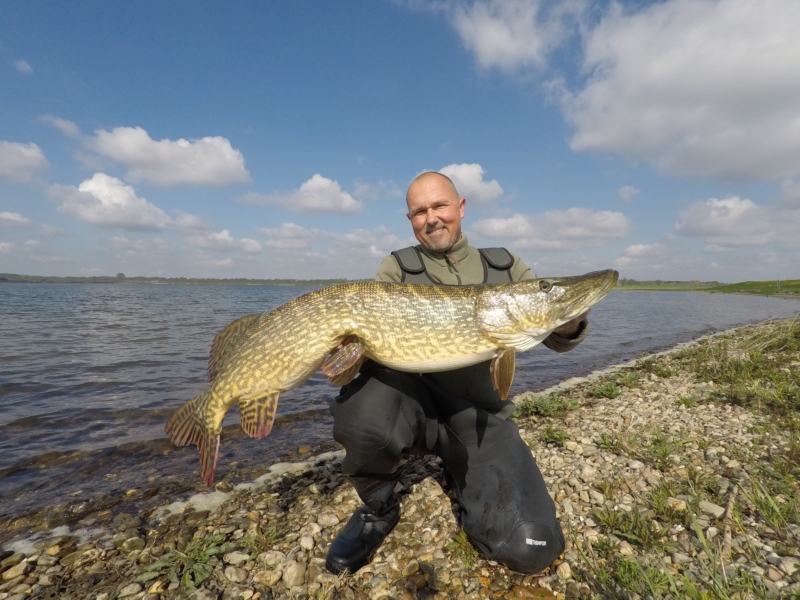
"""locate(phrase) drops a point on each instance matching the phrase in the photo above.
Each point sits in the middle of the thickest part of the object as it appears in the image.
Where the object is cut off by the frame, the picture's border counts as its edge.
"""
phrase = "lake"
(89, 375)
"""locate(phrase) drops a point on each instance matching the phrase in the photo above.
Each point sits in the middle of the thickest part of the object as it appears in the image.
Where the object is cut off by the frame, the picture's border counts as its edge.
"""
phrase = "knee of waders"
(531, 547)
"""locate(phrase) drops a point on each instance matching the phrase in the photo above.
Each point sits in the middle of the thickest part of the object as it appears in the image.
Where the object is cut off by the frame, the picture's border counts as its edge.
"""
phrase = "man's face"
(435, 211)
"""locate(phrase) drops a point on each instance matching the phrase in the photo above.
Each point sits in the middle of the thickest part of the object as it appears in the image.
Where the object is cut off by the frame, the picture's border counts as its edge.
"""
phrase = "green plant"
(189, 568)
(687, 401)
(258, 542)
(629, 379)
(654, 366)
(462, 548)
(554, 435)
(546, 406)
(607, 390)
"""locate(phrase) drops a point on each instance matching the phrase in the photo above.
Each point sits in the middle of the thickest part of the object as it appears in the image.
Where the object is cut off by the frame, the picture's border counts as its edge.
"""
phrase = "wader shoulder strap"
(410, 261)
(497, 263)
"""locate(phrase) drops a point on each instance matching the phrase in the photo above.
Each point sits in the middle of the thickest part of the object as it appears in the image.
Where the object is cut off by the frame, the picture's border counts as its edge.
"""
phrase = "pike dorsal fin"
(257, 414)
(224, 340)
(502, 370)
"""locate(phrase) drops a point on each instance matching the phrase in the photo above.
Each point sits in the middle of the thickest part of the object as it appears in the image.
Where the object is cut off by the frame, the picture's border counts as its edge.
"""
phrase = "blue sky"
(277, 139)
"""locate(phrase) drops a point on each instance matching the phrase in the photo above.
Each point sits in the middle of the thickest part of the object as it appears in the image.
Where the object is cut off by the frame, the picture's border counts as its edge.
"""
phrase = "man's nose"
(430, 217)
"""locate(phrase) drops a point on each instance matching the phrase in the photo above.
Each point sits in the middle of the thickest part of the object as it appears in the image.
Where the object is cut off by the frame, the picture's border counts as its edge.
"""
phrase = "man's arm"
(569, 334)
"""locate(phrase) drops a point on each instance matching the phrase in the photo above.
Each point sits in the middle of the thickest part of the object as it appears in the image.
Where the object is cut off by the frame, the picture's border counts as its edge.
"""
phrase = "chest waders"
(384, 415)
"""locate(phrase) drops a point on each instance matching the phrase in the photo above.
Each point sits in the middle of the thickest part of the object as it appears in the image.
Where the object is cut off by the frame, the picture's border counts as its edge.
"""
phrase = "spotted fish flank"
(413, 328)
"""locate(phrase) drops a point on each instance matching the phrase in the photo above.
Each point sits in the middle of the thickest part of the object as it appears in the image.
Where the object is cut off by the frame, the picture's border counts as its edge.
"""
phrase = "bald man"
(383, 415)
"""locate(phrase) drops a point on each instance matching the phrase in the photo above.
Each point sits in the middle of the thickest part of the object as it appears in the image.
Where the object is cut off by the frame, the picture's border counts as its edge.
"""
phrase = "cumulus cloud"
(20, 162)
(557, 229)
(734, 222)
(205, 161)
(223, 240)
(364, 190)
(355, 244)
(12, 219)
(68, 128)
(6, 247)
(703, 88)
(318, 194)
(23, 67)
(468, 179)
(513, 34)
(287, 236)
(639, 250)
(628, 193)
(108, 202)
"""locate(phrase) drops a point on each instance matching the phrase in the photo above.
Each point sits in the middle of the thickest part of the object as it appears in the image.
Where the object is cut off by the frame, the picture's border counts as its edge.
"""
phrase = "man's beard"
(441, 242)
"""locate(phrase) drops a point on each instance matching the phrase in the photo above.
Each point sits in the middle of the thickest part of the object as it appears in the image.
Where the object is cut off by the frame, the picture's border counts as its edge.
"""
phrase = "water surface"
(89, 375)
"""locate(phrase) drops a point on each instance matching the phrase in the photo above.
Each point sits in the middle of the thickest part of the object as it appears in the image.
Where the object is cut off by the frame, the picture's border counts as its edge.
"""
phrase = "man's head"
(435, 211)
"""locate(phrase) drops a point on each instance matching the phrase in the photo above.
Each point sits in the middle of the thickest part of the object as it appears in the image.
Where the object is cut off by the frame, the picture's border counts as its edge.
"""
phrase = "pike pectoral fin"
(187, 426)
(226, 339)
(257, 414)
(502, 370)
(344, 363)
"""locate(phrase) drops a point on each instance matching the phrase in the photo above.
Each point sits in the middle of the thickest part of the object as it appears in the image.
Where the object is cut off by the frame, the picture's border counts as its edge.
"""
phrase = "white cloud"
(223, 240)
(11, 219)
(288, 236)
(206, 161)
(557, 229)
(468, 179)
(639, 250)
(704, 88)
(318, 194)
(68, 128)
(108, 202)
(5, 247)
(373, 191)
(733, 222)
(512, 34)
(184, 220)
(20, 162)
(23, 67)
(628, 193)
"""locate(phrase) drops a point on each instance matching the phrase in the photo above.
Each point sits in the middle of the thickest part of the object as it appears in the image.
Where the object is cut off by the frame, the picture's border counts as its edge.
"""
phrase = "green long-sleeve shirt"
(463, 266)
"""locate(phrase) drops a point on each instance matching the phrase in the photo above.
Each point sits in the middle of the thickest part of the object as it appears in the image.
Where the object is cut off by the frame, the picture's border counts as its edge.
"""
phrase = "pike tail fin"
(225, 339)
(257, 414)
(188, 426)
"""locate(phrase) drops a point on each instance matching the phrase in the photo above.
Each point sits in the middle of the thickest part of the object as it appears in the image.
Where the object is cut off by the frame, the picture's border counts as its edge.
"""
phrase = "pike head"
(520, 315)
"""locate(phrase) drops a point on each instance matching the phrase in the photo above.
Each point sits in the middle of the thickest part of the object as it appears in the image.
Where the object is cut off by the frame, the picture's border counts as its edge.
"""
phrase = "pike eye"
(545, 286)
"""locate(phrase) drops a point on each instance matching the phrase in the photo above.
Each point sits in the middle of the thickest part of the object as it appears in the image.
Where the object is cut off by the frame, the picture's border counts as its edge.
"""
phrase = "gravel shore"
(666, 482)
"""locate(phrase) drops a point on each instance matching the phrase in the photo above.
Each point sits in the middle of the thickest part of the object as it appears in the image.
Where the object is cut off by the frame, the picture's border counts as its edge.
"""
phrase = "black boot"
(364, 533)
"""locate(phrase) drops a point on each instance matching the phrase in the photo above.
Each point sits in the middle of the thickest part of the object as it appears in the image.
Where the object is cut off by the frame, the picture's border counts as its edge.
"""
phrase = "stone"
(306, 542)
(588, 473)
(130, 590)
(328, 520)
(564, 571)
(678, 558)
(45, 580)
(132, 544)
(526, 592)
(712, 509)
(411, 568)
(268, 578)
(274, 557)
(789, 564)
(204, 595)
(304, 449)
(676, 504)
(12, 561)
(237, 559)
(774, 574)
(17, 570)
(294, 574)
(711, 533)
(235, 574)
(419, 580)
(635, 464)
(626, 549)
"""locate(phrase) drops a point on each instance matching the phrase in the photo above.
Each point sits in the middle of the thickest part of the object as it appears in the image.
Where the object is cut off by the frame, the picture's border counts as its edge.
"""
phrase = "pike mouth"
(591, 296)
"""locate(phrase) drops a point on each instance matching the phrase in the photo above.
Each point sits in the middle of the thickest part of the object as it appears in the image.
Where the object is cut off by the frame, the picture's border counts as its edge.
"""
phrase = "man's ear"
(461, 204)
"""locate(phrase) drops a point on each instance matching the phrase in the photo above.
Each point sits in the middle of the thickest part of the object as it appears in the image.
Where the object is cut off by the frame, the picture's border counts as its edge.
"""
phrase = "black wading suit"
(384, 415)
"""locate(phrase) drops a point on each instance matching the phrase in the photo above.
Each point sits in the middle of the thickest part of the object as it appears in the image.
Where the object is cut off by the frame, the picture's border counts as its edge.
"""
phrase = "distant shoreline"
(14, 278)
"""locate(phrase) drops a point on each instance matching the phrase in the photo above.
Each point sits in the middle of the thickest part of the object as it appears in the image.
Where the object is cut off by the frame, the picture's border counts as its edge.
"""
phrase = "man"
(384, 415)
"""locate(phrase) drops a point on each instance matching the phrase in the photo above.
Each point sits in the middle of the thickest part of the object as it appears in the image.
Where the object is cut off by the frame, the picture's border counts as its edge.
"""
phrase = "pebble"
(235, 574)
(130, 590)
(711, 509)
(237, 559)
(294, 573)
(564, 571)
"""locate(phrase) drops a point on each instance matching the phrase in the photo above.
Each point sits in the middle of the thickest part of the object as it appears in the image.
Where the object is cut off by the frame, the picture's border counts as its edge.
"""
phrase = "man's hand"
(569, 330)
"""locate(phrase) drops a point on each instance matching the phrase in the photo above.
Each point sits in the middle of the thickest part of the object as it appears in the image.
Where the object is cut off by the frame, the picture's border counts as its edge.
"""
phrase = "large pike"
(414, 328)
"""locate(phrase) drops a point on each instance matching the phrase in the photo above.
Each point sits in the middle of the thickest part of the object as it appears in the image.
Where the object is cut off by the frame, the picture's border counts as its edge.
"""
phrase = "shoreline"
(267, 538)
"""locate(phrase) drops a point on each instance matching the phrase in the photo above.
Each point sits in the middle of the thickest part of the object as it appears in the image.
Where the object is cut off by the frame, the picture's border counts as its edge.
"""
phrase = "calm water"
(89, 375)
